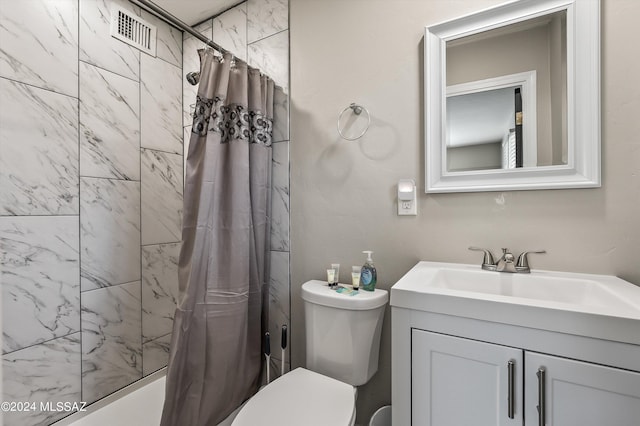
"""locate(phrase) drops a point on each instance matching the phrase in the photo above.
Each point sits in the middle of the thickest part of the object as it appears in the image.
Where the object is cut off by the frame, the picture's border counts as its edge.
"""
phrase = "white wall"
(343, 193)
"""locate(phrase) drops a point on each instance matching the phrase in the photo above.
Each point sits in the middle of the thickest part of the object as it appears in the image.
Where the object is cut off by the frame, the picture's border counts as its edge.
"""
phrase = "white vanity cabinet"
(579, 393)
(458, 381)
(461, 381)
(479, 348)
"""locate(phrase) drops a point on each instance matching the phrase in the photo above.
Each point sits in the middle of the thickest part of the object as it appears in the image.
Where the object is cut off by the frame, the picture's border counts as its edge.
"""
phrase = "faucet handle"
(507, 256)
(487, 262)
(523, 261)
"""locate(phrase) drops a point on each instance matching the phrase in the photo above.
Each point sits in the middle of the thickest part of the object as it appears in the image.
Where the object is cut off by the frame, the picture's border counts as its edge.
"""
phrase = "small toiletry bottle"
(336, 277)
(368, 276)
(355, 276)
(331, 277)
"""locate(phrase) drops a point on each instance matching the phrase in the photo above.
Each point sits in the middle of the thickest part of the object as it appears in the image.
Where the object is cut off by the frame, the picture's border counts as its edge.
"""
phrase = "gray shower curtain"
(216, 358)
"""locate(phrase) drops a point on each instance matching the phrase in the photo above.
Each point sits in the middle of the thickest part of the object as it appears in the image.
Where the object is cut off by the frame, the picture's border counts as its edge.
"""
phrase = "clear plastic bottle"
(368, 276)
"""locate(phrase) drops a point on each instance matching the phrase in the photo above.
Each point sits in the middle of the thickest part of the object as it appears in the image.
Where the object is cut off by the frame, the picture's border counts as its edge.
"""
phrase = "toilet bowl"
(343, 343)
(301, 397)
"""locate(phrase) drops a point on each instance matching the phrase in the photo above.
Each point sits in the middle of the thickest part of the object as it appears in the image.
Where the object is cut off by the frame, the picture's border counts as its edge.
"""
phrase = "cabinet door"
(580, 394)
(456, 381)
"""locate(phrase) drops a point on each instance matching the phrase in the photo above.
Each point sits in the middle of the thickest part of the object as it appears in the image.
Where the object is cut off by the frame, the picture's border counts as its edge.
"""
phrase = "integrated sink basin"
(598, 306)
(544, 286)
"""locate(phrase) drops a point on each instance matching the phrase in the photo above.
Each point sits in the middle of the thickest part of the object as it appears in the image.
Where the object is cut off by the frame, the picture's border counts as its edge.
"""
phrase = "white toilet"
(343, 344)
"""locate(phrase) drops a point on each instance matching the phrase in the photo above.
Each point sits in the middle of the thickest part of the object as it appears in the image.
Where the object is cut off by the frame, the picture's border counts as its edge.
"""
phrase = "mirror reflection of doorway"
(486, 127)
(518, 125)
(512, 144)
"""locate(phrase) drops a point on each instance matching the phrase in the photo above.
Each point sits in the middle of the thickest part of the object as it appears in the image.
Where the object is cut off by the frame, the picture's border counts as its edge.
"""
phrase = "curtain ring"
(357, 110)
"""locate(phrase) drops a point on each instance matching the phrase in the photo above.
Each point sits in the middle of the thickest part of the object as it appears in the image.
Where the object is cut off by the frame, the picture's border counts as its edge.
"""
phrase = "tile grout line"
(44, 342)
(109, 286)
(161, 150)
(86, 62)
(140, 211)
(109, 178)
(38, 87)
(288, 95)
(160, 244)
(79, 216)
(246, 32)
(265, 37)
(78, 75)
(39, 215)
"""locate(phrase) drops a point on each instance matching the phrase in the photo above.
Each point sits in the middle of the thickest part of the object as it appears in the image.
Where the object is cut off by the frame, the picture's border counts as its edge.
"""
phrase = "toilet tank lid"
(318, 292)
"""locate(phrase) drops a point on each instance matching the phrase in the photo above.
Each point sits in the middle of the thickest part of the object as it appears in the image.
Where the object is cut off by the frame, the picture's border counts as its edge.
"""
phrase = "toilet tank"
(343, 331)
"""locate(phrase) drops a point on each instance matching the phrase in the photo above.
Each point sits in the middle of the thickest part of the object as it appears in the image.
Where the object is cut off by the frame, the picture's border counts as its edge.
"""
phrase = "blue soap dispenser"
(368, 276)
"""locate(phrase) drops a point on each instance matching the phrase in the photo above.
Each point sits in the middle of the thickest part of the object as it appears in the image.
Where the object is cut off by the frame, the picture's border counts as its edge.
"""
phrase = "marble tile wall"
(266, 18)
(109, 232)
(257, 31)
(98, 48)
(40, 270)
(155, 353)
(271, 55)
(109, 124)
(230, 30)
(161, 197)
(45, 372)
(91, 191)
(52, 65)
(169, 41)
(159, 290)
(160, 98)
(90, 202)
(39, 146)
(111, 343)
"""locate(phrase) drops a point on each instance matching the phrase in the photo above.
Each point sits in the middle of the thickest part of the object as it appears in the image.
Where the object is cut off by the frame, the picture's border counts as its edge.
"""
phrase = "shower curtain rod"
(159, 12)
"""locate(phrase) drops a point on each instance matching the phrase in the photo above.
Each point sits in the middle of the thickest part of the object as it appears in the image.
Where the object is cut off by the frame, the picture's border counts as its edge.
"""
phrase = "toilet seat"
(301, 397)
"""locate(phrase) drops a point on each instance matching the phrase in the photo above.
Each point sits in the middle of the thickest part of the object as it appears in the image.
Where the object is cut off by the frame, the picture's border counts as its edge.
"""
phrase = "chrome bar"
(541, 396)
(511, 391)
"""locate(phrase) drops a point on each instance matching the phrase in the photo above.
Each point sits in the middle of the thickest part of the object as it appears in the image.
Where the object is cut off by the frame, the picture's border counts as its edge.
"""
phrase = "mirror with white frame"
(512, 98)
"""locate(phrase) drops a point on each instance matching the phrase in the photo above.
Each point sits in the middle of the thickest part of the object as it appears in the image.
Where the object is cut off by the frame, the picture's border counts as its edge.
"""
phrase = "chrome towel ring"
(357, 110)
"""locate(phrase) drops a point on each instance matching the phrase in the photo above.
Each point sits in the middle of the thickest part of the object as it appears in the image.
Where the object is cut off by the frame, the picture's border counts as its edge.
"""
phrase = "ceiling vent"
(133, 30)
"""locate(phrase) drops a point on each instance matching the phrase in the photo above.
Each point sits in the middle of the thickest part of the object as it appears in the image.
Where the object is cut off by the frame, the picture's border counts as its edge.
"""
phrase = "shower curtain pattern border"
(201, 115)
(231, 121)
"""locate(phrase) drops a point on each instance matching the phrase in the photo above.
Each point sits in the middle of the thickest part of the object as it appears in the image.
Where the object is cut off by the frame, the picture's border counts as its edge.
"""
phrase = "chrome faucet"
(506, 262)
(488, 264)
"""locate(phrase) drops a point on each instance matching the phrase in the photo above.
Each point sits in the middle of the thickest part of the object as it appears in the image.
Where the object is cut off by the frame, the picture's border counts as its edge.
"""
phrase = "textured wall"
(343, 193)
(90, 202)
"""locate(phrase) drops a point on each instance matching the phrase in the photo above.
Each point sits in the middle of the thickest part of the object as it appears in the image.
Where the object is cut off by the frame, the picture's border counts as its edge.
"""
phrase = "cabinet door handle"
(511, 389)
(541, 395)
